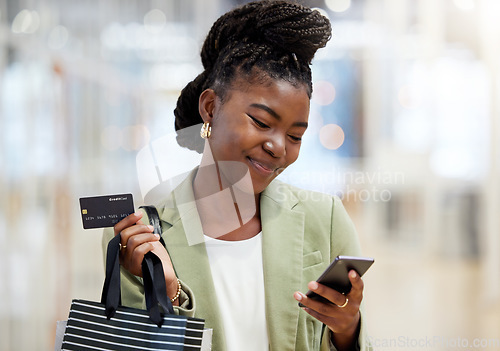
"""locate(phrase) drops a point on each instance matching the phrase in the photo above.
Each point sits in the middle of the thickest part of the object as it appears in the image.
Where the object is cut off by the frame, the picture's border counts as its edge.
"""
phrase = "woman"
(243, 247)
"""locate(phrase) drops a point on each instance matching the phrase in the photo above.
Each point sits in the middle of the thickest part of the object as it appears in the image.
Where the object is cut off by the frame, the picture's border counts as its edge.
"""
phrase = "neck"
(225, 206)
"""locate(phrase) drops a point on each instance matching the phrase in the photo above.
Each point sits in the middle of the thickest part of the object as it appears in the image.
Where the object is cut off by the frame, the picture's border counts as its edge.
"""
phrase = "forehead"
(258, 77)
(276, 93)
(282, 97)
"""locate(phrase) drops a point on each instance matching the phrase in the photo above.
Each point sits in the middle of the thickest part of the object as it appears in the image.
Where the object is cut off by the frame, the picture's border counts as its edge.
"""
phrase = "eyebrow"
(276, 115)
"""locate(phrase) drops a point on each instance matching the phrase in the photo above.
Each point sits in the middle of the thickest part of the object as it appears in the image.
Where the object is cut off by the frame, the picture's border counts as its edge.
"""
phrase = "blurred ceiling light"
(331, 136)
(154, 21)
(338, 5)
(453, 162)
(58, 37)
(323, 93)
(26, 21)
(465, 5)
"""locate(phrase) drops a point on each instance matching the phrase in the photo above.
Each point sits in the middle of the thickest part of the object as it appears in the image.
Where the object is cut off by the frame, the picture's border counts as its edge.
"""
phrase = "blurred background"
(405, 128)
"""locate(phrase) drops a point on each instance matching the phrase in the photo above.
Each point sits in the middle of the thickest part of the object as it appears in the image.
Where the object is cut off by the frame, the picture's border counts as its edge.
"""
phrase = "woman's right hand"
(137, 239)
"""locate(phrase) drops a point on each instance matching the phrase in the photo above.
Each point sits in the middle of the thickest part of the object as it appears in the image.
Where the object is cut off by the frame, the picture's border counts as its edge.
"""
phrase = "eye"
(295, 138)
(258, 123)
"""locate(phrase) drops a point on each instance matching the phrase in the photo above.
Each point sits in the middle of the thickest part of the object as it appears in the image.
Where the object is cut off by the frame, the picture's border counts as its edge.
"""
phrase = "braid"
(274, 39)
(187, 114)
(190, 92)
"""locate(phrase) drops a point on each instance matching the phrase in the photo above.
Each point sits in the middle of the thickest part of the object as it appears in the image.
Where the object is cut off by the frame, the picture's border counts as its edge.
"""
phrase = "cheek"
(292, 154)
(229, 138)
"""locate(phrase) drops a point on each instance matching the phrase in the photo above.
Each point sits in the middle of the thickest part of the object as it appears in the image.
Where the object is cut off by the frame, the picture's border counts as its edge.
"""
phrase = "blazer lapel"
(282, 246)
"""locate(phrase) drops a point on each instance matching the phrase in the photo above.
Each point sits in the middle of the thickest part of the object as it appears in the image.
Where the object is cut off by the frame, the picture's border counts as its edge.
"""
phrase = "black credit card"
(105, 211)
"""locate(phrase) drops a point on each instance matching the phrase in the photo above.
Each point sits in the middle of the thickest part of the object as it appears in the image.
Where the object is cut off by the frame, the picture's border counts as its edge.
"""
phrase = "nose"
(275, 147)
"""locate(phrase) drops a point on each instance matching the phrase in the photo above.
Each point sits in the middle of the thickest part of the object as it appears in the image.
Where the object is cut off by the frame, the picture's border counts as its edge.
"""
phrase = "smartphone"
(336, 275)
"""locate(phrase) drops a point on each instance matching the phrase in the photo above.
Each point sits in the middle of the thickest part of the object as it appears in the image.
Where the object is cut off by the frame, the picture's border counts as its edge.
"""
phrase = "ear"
(206, 104)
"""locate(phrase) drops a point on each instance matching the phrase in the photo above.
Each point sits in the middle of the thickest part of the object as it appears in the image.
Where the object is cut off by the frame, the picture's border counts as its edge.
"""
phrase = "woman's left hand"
(341, 314)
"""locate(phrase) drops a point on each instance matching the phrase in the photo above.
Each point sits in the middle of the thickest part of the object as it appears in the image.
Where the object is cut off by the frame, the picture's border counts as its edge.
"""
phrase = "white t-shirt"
(238, 276)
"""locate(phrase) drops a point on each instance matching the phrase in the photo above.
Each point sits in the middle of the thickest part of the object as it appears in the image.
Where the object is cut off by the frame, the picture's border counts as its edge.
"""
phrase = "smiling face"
(259, 125)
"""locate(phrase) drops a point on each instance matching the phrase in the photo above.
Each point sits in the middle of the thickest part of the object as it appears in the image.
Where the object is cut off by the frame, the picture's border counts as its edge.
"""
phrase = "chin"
(260, 186)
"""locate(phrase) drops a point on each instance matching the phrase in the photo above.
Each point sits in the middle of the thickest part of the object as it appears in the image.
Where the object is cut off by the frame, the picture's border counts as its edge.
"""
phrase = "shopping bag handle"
(154, 283)
(155, 289)
(156, 293)
(111, 292)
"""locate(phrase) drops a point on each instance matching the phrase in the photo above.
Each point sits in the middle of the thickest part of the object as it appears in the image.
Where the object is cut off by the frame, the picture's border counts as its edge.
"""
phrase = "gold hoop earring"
(206, 130)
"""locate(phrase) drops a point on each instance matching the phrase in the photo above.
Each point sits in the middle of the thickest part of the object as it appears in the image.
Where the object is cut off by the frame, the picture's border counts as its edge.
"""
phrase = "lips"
(263, 167)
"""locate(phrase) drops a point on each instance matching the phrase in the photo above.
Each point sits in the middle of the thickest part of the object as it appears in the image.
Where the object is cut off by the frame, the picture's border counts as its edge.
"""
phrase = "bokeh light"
(331, 136)
(154, 21)
(135, 137)
(58, 37)
(338, 5)
(323, 93)
(26, 21)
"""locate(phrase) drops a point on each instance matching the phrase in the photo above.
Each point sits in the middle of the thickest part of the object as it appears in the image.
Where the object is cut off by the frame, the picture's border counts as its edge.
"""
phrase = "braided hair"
(265, 39)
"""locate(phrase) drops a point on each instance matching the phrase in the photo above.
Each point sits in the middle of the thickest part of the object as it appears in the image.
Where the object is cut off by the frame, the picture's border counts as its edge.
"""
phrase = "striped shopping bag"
(130, 329)
(107, 325)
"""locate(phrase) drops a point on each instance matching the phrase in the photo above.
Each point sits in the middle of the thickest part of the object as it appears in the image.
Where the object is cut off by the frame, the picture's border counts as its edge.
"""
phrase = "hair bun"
(282, 24)
(293, 28)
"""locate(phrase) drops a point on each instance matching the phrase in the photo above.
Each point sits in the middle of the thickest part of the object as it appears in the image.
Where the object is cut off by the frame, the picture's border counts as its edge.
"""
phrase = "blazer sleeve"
(344, 241)
(132, 288)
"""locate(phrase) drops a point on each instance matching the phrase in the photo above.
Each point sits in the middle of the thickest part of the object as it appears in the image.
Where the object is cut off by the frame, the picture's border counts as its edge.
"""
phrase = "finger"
(134, 241)
(132, 255)
(137, 229)
(128, 221)
(341, 320)
(134, 258)
(324, 308)
(328, 293)
(357, 285)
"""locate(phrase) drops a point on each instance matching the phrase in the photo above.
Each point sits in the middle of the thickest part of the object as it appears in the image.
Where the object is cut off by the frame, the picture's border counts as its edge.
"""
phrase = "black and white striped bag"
(109, 326)
(130, 329)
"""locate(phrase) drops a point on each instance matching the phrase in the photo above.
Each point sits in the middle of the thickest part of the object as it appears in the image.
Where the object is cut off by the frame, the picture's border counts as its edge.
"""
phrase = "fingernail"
(313, 285)
(157, 235)
(297, 296)
(150, 227)
(353, 274)
(138, 213)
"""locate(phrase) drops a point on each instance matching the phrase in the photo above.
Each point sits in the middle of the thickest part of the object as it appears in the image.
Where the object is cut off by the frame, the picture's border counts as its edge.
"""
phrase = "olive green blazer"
(303, 232)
